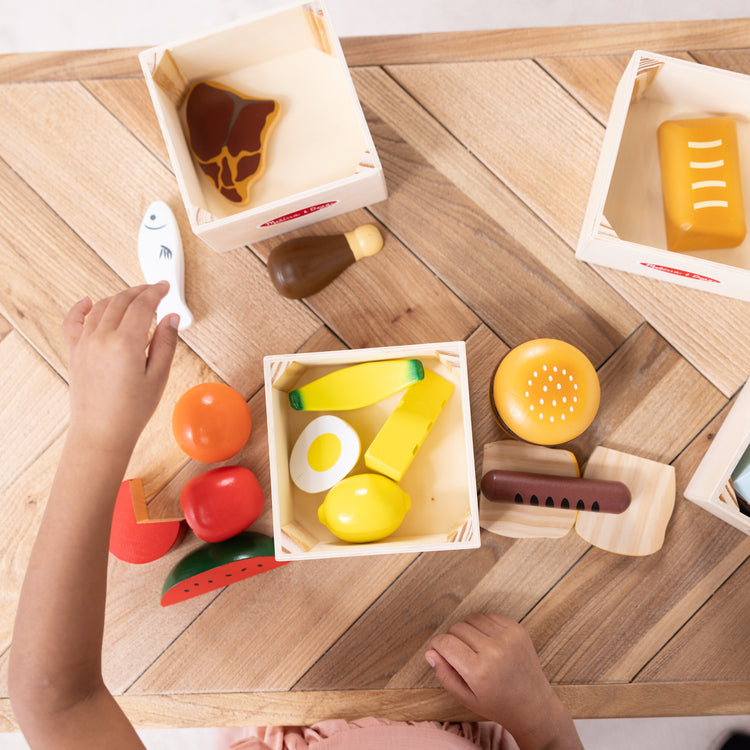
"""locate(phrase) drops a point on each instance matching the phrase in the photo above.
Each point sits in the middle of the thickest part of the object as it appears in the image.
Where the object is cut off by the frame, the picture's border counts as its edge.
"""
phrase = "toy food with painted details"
(211, 422)
(545, 391)
(400, 438)
(162, 258)
(364, 508)
(701, 183)
(549, 491)
(357, 386)
(228, 134)
(222, 502)
(324, 453)
(214, 566)
(303, 266)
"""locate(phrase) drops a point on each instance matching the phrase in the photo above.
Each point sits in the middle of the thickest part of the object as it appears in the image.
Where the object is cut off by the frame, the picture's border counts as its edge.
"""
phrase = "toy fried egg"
(325, 452)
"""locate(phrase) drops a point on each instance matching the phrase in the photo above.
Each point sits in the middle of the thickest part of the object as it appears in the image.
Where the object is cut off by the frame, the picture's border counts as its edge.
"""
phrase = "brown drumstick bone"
(547, 491)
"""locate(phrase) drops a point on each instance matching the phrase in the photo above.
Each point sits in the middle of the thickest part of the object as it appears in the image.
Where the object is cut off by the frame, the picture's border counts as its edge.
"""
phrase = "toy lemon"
(364, 508)
(545, 391)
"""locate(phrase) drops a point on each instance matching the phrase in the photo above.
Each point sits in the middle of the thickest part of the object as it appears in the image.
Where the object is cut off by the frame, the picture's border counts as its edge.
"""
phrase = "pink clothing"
(370, 734)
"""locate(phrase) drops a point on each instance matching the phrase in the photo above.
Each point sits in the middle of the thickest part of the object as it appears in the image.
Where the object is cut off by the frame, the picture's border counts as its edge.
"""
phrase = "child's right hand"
(489, 664)
(116, 375)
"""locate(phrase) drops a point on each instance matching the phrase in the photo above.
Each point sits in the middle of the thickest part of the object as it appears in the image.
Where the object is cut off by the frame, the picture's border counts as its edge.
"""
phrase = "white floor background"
(86, 24)
(36, 25)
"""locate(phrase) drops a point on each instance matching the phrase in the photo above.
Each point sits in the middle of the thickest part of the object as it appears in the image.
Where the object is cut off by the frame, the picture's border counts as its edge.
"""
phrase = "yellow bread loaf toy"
(357, 386)
(402, 435)
(701, 183)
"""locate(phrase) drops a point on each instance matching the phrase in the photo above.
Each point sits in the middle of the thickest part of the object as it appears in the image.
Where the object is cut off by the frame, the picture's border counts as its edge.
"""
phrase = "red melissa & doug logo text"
(297, 214)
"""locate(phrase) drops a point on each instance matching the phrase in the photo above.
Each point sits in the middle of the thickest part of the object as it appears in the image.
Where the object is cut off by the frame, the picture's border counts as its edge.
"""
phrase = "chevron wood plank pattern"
(489, 144)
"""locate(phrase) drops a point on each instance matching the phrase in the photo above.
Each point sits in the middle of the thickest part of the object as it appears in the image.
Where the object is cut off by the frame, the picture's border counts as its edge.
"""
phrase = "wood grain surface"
(489, 142)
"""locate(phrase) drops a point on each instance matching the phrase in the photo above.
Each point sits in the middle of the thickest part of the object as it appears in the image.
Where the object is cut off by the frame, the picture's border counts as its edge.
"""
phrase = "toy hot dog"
(573, 493)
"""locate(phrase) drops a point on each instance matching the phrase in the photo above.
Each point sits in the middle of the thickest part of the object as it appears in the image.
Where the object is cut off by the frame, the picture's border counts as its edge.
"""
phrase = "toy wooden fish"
(162, 259)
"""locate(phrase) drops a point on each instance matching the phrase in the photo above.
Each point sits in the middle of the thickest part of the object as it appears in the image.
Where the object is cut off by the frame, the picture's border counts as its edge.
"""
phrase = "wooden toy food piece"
(162, 259)
(211, 422)
(641, 528)
(222, 502)
(302, 266)
(701, 183)
(357, 386)
(402, 435)
(519, 521)
(134, 542)
(227, 133)
(545, 391)
(571, 493)
(216, 565)
(364, 508)
(324, 453)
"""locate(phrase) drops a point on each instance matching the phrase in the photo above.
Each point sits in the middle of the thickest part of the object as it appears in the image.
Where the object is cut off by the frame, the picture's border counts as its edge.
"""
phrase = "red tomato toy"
(211, 422)
(222, 502)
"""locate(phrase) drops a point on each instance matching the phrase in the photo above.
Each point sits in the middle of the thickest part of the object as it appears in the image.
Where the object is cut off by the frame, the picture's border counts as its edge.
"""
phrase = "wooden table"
(489, 143)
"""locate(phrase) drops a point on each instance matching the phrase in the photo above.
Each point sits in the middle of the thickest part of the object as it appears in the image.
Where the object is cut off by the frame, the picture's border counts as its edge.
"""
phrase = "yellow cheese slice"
(402, 435)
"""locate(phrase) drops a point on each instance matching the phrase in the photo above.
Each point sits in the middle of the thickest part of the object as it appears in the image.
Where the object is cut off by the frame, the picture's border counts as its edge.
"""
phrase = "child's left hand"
(116, 377)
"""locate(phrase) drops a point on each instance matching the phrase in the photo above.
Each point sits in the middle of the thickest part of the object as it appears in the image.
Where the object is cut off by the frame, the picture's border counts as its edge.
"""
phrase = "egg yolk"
(324, 452)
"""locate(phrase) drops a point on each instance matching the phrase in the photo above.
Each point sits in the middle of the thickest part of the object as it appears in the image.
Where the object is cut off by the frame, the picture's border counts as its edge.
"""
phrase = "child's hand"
(489, 664)
(116, 377)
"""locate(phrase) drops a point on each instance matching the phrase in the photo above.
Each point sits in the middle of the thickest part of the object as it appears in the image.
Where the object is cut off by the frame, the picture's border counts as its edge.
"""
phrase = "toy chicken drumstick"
(303, 266)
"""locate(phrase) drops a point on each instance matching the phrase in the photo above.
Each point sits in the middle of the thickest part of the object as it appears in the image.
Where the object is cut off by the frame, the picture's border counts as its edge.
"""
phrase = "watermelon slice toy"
(217, 564)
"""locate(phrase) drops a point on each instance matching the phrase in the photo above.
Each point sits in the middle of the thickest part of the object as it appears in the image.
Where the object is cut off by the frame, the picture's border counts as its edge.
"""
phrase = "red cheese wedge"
(134, 542)
(218, 564)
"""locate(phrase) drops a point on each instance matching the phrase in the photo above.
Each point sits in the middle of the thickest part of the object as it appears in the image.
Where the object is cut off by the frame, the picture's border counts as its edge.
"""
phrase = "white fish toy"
(162, 259)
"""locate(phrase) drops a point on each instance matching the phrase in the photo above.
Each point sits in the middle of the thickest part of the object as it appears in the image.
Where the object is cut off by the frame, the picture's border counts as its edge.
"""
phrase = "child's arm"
(489, 664)
(116, 381)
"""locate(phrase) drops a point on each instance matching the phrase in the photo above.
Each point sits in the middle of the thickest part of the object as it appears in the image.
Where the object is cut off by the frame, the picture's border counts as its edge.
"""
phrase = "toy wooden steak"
(227, 133)
(571, 493)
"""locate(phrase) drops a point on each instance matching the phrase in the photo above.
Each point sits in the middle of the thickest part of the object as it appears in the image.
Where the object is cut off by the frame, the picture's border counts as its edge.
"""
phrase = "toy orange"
(211, 422)
(545, 391)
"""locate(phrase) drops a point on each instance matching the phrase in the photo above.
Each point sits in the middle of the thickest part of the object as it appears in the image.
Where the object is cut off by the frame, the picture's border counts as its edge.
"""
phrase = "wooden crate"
(710, 486)
(320, 159)
(624, 222)
(440, 481)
